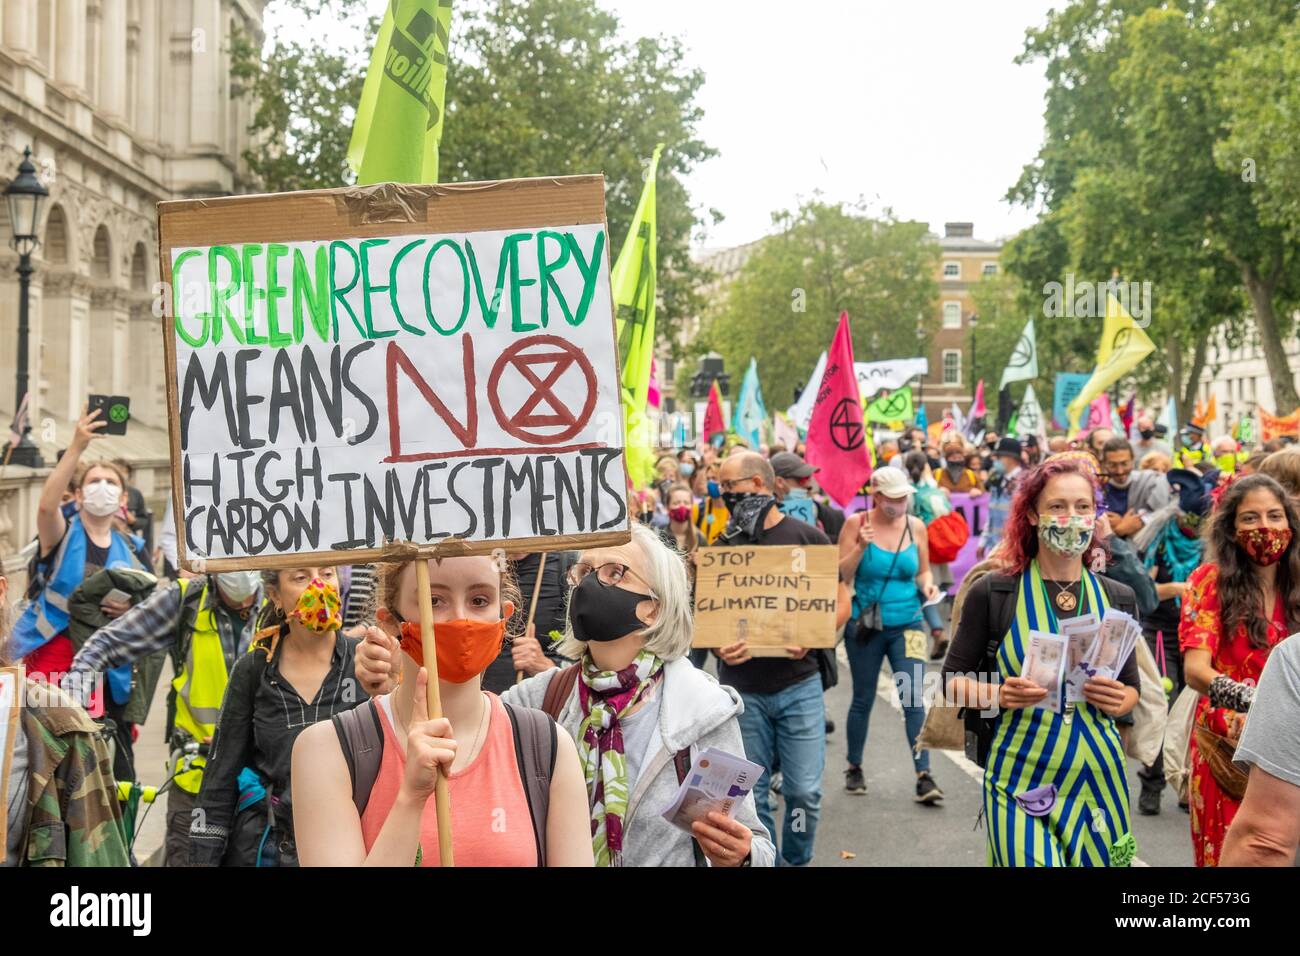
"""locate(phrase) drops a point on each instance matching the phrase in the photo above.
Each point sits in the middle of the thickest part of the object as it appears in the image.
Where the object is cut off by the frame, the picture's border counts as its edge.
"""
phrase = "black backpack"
(361, 737)
(1002, 610)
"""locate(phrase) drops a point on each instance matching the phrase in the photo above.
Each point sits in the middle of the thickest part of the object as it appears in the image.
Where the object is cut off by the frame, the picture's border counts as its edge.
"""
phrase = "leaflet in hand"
(1116, 638)
(1044, 664)
(1080, 633)
(717, 781)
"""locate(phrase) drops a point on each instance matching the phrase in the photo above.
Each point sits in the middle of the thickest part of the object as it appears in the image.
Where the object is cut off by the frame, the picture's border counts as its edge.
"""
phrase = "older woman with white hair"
(639, 710)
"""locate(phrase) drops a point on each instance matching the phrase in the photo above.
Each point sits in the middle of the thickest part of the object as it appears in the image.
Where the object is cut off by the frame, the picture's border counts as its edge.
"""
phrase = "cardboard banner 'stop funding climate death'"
(337, 385)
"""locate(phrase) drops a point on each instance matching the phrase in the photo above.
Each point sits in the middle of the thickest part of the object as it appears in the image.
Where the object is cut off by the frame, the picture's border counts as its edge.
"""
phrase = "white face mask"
(101, 498)
(238, 586)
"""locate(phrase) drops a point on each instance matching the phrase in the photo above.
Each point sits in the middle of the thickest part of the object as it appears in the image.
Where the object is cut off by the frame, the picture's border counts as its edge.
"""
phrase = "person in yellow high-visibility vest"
(1191, 447)
(206, 623)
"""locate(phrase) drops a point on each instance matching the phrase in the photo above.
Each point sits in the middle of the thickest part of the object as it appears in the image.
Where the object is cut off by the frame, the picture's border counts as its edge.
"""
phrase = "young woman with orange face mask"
(393, 821)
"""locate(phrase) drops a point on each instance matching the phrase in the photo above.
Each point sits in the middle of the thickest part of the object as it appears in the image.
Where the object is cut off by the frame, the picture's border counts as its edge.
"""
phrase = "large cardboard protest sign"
(353, 372)
(771, 596)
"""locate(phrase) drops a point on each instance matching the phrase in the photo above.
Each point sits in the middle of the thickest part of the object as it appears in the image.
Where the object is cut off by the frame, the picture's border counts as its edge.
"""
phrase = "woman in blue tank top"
(884, 556)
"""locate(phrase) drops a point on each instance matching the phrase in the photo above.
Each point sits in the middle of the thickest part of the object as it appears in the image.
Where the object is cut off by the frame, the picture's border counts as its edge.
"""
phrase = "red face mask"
(1264, 545)
(465, 648)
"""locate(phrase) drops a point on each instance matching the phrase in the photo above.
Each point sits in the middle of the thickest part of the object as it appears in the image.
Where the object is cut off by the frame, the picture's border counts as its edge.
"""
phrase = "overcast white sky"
(915, 105)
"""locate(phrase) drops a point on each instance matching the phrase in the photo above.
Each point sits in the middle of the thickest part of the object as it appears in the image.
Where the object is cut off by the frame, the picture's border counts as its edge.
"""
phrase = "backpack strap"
(361, 738)
(682, 763)
(558, 691)
(535, 748)
(1002, 609)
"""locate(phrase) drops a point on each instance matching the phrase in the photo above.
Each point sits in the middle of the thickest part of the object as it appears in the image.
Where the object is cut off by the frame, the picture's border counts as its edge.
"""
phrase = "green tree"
(1134, 180)
(534, 88)
(826, 258)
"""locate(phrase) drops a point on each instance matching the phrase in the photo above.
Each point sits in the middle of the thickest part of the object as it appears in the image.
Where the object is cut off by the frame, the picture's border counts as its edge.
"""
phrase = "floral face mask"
(1067, 535)
(1264, 545)
(319, 608)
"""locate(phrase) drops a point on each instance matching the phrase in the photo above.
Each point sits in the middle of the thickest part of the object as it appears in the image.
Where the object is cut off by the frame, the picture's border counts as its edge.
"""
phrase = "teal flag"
(747, 421)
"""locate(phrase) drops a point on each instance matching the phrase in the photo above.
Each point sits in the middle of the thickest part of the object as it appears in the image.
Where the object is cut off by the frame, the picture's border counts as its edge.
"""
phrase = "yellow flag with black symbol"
(399, 119)
(1123, 346)
(895, 406)
(633, 282)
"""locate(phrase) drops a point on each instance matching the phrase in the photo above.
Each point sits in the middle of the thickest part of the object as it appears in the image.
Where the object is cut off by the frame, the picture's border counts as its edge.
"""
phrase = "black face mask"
(1147, 434)
(936, 464)
(599, 613)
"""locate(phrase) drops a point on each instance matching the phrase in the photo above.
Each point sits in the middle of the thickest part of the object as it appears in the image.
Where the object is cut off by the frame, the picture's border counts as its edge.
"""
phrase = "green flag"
(399, 119)
(633, 282)
(896, 406)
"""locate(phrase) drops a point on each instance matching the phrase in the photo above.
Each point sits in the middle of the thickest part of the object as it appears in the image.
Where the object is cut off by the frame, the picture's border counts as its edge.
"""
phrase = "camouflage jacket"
(73, 815)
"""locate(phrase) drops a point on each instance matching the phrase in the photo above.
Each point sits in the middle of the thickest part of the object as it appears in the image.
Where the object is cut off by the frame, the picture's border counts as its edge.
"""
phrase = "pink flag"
(836, 440)
(977, 409)
(652, 399)
(1098, 413)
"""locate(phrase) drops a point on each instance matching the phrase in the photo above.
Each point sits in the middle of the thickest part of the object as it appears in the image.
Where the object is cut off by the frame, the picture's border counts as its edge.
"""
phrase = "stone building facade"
(124, 103)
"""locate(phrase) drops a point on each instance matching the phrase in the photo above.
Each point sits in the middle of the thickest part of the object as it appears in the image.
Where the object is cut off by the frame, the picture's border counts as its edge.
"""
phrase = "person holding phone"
(72, 548)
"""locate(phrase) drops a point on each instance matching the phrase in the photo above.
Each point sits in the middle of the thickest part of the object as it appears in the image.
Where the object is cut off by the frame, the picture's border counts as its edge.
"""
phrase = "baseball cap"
(787, 464)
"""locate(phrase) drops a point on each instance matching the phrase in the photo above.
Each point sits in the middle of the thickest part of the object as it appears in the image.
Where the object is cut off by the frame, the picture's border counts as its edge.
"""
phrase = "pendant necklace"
(1065, 598)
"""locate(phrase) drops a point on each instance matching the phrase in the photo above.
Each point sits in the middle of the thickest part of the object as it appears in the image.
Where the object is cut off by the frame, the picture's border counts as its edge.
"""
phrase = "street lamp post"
(24, 196)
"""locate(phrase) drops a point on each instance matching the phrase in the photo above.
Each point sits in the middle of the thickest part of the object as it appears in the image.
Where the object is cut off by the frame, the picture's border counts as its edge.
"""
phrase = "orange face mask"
(465, 648)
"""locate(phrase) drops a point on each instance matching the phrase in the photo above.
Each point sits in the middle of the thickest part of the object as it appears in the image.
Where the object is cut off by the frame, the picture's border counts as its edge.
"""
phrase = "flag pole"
(442, 798)
(532, 606)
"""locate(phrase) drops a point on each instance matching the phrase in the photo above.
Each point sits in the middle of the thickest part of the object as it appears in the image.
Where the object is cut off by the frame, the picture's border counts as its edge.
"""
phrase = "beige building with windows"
(963, 262)
(124, 103)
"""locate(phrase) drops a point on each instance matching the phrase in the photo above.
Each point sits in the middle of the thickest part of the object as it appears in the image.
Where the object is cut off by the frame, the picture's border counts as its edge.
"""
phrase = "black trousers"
(180, 814)
(123, 746)
(1153, 777)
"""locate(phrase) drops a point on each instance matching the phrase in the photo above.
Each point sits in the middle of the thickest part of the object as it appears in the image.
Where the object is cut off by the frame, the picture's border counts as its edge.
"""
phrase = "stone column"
(103, 339)
(65, 344)
(112, 59)
(20, 25)
(205, 111)
(70, 57)
(146, 113)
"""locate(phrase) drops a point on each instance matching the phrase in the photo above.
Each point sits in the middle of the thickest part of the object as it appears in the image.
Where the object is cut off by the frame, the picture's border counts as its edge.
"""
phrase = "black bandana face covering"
(746, 510)
(599, 613)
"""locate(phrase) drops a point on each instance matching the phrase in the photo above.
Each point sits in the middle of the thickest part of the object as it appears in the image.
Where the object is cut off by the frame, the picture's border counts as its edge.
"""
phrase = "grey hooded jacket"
(695, 711)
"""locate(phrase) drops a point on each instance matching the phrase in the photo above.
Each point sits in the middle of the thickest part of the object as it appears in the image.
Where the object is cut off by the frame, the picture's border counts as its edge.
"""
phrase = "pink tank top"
(490, 823)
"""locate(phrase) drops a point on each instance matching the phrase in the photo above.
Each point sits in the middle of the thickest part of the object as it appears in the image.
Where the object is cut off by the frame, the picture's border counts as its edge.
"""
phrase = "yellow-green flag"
(895, 406)
(1123, 346)
(633, 281)
(399, 119)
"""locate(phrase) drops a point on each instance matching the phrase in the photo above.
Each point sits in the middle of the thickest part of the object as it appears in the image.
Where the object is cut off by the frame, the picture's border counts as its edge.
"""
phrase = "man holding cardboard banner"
(785, 716)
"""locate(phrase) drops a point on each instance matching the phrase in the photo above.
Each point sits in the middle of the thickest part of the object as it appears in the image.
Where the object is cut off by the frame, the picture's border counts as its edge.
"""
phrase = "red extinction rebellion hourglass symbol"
(534, 367)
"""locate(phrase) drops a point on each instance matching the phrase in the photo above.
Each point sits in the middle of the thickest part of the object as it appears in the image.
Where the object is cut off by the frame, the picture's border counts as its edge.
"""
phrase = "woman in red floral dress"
(1237, 607)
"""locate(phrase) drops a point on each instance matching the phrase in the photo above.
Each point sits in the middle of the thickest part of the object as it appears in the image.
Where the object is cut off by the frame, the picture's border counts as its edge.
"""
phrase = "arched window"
(56, 236)
(139, 269)
(101, 263)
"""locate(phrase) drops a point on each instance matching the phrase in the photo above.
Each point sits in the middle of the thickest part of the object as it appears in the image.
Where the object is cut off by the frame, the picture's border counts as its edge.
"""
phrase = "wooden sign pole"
(442, 799)
(532, 607)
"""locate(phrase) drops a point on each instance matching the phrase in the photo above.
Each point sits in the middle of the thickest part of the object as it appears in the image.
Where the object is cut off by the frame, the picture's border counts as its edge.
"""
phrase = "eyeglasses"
(733, 482)
(609, 575)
